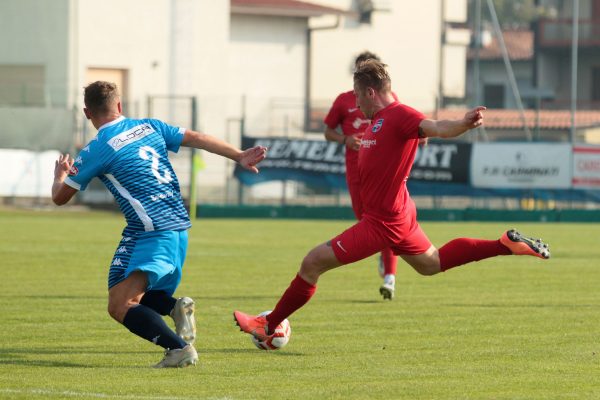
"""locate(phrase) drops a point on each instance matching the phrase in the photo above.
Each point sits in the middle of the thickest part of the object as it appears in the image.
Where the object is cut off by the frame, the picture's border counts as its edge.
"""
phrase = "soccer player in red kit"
(386, 155)
(345, 114)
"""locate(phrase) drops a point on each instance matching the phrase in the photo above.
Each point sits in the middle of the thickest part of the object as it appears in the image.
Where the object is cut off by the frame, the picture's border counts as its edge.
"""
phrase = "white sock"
(389, 279)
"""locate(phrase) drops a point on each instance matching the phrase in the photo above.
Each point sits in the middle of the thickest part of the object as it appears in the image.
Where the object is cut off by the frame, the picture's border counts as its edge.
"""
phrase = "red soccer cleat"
(254, 325)
(524, 246)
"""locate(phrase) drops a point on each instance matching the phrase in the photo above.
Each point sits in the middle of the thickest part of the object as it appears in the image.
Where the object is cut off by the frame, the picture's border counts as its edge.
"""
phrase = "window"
(493, 96)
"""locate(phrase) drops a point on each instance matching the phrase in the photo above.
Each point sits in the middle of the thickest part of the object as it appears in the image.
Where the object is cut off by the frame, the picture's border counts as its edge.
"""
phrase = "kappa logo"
(122, 249)
(86, 148)
(377, 125)
(117, 262)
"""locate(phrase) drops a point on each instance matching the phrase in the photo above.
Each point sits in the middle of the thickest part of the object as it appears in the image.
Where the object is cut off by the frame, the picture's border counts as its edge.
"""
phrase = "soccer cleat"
(524, 246)
(255, 325)
(179, 358)
(185, 323)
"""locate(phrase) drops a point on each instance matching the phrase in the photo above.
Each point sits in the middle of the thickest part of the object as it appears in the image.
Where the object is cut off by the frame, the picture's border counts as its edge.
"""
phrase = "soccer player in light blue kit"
(130, 157)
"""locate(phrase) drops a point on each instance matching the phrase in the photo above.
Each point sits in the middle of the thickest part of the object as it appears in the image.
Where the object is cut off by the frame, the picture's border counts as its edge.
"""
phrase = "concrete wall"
(407, 38)
(34, 32)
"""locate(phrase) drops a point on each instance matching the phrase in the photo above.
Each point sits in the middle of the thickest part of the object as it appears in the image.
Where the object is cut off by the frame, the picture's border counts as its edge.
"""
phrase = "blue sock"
(159, 301)
(146, 323)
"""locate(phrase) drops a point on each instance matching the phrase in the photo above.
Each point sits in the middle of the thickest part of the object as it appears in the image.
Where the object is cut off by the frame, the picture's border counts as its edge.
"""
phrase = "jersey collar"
(111, 123)
(385, 108)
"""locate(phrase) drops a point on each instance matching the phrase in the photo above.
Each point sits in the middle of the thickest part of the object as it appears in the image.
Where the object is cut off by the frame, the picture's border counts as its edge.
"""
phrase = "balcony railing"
(558, 33)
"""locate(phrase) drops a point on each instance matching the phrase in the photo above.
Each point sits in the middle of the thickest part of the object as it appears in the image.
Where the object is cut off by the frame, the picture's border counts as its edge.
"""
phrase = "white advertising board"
(586, 167)
(521, 165)
(26, 173)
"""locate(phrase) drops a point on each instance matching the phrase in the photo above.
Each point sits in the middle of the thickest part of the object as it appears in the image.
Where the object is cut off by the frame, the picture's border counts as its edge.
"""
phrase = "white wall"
(267, 65)
(34, 32)
(407, 39)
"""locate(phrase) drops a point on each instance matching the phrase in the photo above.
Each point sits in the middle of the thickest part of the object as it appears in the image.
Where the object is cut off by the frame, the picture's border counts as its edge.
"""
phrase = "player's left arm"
(248, 158)
(61, 192)
(452, 128)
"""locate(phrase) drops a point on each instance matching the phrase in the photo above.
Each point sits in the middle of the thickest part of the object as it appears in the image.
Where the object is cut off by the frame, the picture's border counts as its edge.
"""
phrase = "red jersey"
(346, 114)
(386, 156)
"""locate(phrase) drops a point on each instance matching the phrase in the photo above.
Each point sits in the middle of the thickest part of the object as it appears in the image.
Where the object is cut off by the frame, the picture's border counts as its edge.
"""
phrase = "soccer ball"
(279, 339)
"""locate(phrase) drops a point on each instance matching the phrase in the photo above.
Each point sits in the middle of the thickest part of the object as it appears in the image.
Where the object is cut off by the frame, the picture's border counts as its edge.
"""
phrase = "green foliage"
(504, 328)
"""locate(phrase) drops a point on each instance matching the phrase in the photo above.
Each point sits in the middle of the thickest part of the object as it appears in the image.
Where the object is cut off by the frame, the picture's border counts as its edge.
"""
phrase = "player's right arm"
(334, 136)
(61, 192)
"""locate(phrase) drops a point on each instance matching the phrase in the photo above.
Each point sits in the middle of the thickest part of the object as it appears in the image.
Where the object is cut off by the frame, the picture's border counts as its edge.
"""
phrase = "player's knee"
(427, 270)
(115, 311)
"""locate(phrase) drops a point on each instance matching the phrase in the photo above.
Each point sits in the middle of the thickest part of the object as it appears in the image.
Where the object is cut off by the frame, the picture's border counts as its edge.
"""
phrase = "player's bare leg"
(387, 270)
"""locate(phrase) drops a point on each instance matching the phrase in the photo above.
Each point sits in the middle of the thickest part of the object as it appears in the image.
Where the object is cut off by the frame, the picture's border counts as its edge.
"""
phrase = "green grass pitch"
(504, 328)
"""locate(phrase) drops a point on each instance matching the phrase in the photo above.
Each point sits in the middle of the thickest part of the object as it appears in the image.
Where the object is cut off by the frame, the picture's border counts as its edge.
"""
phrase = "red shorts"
(371, 235)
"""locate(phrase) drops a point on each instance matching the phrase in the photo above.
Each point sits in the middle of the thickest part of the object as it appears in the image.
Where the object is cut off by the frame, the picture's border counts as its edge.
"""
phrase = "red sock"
(390, 261)
(465, 250)
(297, 295)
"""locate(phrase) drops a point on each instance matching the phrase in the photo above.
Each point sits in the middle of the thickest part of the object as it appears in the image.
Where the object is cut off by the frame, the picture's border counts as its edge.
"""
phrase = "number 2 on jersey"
(155, 156)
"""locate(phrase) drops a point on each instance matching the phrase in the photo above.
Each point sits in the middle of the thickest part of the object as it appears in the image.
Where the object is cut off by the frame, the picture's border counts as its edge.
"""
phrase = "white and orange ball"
(280, 338)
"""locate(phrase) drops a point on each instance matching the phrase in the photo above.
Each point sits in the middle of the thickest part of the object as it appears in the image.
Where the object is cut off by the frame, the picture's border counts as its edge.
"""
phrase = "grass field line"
(69, 393)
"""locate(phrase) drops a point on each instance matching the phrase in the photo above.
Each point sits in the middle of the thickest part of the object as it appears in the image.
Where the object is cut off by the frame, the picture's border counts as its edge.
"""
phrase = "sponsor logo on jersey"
(73, 171)
(368, 143)
(358, 122)
(160, 196)
(130, 136)
(377, 125)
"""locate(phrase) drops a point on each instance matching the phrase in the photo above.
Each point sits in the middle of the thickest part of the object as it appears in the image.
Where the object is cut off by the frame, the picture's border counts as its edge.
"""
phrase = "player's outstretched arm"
(452, 128)
(62, 193)
(248, 158)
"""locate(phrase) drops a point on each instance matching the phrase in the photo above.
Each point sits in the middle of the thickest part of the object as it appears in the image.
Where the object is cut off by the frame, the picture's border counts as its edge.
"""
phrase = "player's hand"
(62, 166)
(353, 142)
(474, 118)
(423, 141)
(250, 157)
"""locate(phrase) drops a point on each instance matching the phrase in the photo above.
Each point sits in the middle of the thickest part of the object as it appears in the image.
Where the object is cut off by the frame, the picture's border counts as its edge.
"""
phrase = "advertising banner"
(521, 165)
(442, 162)
(317, 162)
(586, 167)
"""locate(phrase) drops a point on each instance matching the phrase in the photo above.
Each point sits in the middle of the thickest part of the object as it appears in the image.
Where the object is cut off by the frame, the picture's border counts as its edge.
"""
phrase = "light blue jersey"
(130, 157)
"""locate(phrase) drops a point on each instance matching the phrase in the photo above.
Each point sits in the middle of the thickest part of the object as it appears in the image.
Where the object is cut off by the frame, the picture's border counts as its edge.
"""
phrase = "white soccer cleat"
(388, 288)
(179, 358)
(185, 323)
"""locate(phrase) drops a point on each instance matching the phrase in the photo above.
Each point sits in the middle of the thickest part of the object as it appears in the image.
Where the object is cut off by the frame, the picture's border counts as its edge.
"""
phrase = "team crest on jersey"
(73, 171)
(377, 125)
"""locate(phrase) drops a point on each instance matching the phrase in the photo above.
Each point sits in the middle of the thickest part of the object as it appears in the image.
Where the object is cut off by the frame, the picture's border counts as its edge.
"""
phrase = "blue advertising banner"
(322, 163)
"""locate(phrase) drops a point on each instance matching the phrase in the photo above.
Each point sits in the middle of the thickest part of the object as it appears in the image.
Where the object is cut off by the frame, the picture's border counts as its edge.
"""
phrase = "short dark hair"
(372, 73)
(364, 56)
(98, 96)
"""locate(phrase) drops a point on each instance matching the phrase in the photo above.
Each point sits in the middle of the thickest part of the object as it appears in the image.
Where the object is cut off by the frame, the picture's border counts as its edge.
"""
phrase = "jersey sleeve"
(88, 164)
(173, 135)
(334, 117)
(411, 119)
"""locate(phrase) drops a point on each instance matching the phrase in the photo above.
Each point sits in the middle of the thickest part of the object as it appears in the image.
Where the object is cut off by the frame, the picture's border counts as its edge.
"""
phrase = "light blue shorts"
(160, 254)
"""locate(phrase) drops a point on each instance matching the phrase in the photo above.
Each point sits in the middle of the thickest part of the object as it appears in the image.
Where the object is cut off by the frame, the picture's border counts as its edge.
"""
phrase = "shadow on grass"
(522, 305)
(281, 353)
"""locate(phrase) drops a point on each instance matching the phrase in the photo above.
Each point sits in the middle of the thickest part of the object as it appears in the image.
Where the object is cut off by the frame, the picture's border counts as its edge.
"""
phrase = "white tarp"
(26, 173)
(521, 165)
(586, 167)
